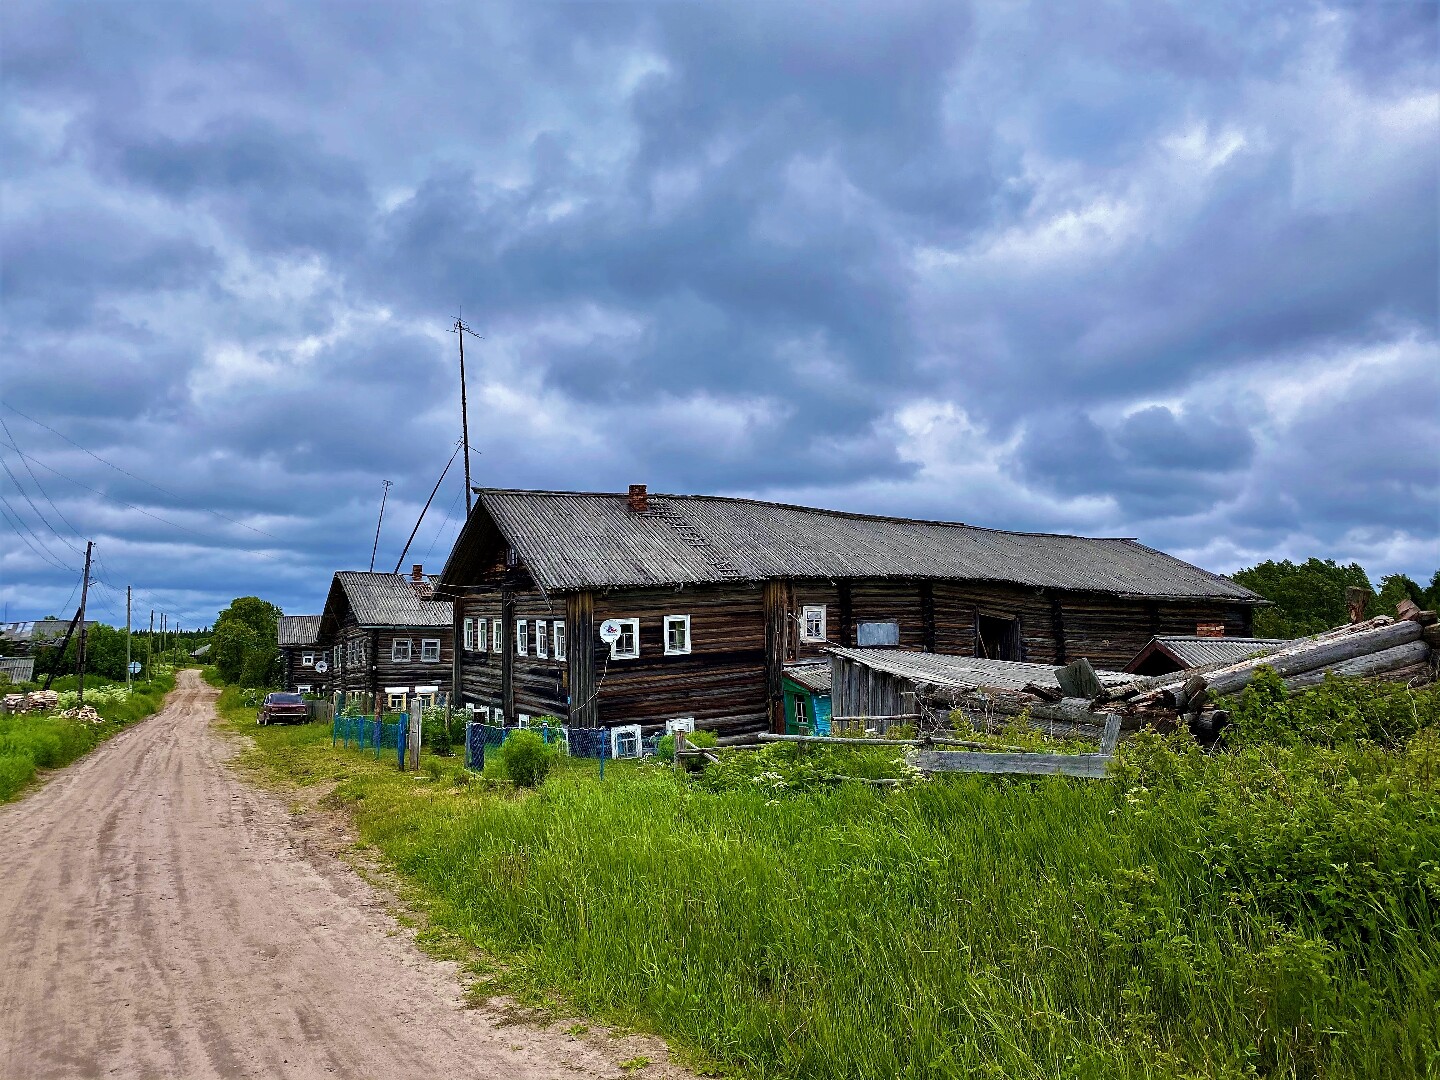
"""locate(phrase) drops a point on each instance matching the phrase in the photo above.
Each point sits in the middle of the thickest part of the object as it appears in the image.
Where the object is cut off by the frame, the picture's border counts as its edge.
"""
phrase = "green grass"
(1269, 912)
(32, 742)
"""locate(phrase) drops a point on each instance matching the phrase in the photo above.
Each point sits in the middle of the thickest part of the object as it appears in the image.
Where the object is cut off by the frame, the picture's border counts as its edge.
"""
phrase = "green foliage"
(1395, 588)
(436, 733)
(526, 758)
(244, 647)
(1338, 712)
(665, 748)
(1309, 597)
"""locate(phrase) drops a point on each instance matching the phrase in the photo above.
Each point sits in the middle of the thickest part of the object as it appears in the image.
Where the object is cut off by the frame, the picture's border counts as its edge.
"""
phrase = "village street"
(161, 918)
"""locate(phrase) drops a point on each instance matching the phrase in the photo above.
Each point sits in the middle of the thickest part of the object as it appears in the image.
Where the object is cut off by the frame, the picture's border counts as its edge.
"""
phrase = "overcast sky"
(1162, 271)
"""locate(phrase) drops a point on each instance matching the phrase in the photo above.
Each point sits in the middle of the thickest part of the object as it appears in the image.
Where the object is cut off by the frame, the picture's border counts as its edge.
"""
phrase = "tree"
(245, 644)
(1395, 588)
(1309, 597)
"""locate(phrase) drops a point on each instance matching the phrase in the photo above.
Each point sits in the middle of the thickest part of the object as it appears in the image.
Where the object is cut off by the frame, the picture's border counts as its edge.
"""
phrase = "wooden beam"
(507, 653)
(775, 615)
(457, 665)
(580, 658)
(1090, 766)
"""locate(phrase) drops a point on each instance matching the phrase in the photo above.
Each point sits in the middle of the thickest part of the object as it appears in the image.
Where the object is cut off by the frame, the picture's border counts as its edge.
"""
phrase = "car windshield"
(285, 699)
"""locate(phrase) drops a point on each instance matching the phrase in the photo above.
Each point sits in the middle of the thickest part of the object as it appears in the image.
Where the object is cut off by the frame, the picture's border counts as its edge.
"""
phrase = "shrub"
(665, 748)
(526, 758)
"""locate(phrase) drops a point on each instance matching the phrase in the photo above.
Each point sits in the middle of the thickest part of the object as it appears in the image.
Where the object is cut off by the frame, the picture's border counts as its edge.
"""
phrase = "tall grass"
(30, 742)
(1270, 912)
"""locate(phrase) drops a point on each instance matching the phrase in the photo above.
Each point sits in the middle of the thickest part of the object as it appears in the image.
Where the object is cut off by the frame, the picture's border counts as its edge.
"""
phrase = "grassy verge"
(32, 742)
(1267, 912)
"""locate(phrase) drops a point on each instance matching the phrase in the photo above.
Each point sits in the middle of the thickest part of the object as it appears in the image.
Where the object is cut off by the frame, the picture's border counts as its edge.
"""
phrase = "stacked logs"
(1402, 649)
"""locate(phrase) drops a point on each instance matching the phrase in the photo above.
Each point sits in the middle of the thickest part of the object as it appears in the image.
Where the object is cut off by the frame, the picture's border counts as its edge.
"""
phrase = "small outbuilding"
(1180, 652)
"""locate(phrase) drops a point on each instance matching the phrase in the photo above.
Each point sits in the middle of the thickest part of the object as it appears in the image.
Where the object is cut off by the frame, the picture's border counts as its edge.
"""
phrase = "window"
(627, 645)
(425, 701)
(873, 634)
(522, 637)
(812, 622)
(497, 636)
(677, 635)
(998, 637)
(307, 659)
(802, 717)
(395, 702)
(559, 627)
(303, 688)
(523, 720)
(400, 650)
(469, 635)
(430, 650)
(542, 645)
(480, 625)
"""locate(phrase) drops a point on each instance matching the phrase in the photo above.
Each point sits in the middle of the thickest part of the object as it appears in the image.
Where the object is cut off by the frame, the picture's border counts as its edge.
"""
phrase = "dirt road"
(159, 918)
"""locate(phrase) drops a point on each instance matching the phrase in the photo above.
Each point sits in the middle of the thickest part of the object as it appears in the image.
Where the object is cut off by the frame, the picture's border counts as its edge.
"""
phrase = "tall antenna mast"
(460, 330)
(376, 546)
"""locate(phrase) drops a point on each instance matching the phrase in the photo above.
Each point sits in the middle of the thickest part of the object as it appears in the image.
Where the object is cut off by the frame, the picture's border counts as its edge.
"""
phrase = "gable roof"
(385, 600)
(298, 630)
(813, 675)
(965, 672)
(1190, 651)
(574, 540)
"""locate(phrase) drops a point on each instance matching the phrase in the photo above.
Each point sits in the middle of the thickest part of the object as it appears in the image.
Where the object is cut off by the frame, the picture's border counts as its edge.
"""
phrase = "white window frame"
(630, 735)
(806, 613)
(469, 635)
(307, 659)
(522, 638)
(497, 635)
(680, 723)
(615, 653)
(481, 642)
(303, 688)
(395, 657)
(682, 620)
(522, 719)
(427, 645)
(542, 645)
(802, 710)
(558, 630)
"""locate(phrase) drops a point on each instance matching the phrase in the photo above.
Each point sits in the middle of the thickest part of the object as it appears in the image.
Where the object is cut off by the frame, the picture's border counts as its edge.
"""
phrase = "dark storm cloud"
(1040, 267)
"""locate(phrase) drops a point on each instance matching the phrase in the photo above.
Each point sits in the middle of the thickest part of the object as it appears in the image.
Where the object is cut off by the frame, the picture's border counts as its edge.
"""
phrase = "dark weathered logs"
(1314, 657)
(1398, 656)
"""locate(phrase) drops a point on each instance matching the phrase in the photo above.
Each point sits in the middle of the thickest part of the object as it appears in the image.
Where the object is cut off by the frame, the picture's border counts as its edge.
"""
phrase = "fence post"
(415, 731)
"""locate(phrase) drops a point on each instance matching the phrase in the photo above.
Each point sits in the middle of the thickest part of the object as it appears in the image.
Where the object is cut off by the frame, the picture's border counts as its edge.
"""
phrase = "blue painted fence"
(374, 733)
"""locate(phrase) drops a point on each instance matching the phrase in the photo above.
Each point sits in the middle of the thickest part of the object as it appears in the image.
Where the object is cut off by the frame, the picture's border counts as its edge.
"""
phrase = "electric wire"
(44, 552)
(127, 472)
(41, 487)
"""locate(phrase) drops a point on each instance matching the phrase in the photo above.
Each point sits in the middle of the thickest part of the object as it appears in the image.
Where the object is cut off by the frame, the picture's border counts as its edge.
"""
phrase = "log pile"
(34, 701)
(1401, 649)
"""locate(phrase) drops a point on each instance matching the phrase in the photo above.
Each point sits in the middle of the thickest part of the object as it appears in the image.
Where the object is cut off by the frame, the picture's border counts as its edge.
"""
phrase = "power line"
(58, 512)
(127, 472)
(45, 553)
(130, 506)
(38, 514)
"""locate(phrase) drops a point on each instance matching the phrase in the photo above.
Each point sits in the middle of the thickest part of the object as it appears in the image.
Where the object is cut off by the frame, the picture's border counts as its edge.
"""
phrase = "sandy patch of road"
(161, 918)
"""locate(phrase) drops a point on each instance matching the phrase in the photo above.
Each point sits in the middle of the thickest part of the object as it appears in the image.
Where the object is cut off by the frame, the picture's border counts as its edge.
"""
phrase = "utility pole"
(384, 493)
(80, 652)
(460, 330)
(150, 645)
(127, 638)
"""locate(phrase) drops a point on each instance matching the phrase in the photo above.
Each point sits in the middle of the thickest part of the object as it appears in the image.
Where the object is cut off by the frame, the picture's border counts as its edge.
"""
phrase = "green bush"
(1338, 712)
(526, 758)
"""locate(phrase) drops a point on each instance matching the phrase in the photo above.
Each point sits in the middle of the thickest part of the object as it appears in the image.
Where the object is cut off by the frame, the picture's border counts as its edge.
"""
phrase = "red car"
(283, 709)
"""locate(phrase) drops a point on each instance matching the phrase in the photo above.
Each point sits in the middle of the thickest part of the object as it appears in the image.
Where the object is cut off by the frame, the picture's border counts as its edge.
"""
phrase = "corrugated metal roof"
(810, 674)
(575, 541)
(391, 600)
(18, 668)
(965, 672)
(299, 630)
(1192, 652)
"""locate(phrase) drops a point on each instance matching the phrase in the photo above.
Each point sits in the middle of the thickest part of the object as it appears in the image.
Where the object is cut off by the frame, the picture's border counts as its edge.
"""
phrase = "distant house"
(387, 635)
(1178, 652)
(707, 599)
(306, 667)
(806, 686)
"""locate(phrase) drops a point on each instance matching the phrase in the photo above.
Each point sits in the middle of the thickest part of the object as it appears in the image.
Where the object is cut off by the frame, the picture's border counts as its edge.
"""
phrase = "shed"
(807, 698)
(1180, 652)
(18, 668)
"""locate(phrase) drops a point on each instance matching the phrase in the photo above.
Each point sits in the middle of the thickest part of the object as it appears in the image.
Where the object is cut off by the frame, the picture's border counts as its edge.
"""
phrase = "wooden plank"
(833, 740)
(1090, 766)
(580, 656)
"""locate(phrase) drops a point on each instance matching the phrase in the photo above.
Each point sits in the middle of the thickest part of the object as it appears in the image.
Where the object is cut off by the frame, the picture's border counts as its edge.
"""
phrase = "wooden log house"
(300, 652)
(387, 635)
(713, 596)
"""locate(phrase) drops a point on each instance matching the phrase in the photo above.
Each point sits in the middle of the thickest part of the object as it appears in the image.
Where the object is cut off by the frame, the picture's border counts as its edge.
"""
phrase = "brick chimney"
(639, 499)
(417, 572)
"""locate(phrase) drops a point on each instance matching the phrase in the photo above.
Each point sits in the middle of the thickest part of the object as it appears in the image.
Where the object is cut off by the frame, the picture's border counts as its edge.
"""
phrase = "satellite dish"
(321, 666)
(610, 631)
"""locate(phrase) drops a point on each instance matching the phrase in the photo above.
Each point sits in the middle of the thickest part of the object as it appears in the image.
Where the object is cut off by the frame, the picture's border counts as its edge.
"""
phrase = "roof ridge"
(828, 512)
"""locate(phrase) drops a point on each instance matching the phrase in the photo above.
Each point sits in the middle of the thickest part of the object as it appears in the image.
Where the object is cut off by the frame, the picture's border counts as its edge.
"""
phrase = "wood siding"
(295, 673)
(373, 669)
